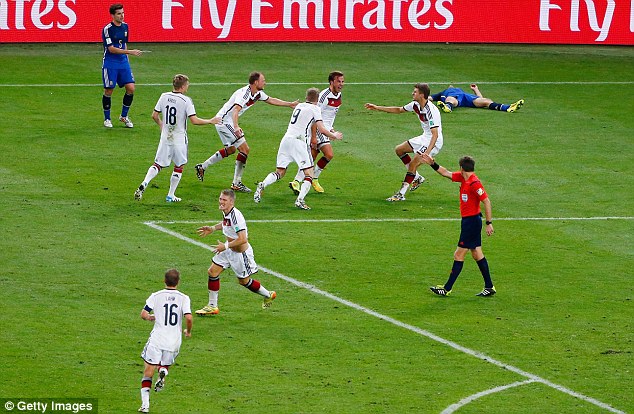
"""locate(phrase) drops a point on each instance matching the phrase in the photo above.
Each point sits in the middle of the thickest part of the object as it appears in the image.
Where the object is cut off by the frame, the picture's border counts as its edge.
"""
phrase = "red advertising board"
(603, 22)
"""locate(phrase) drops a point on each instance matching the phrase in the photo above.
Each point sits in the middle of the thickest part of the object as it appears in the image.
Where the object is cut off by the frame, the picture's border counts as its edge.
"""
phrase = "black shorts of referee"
(471, 232)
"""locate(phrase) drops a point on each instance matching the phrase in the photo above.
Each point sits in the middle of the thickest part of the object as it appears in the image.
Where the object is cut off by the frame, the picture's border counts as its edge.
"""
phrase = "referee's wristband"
(435, 166)
(488, 222)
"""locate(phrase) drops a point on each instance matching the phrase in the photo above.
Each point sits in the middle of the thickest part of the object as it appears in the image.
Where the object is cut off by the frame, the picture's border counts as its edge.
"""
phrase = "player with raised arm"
(236, 253)
(166, 308)
(116, 66)
(329, 103)
(296, 144)
(472, 194)
(174, 109)
(430, 142)
(231, 135)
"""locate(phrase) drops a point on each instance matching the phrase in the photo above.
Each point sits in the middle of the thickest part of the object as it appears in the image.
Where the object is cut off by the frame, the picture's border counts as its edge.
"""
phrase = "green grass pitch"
(78, 261)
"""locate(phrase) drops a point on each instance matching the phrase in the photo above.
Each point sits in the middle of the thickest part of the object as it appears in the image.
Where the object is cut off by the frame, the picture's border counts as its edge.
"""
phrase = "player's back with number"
(175, 109)
(303, 117)
(169, 306)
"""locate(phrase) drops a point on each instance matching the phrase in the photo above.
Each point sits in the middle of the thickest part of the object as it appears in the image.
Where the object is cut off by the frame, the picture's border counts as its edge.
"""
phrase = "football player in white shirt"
(174, 107)
(429, 143)
(166, 308)
(231, 134)
(329, 103)
(296, 144)
(235, 253)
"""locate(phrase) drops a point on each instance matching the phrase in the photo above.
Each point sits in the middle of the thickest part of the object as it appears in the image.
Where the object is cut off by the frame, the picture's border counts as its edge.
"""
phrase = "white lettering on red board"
(603, 29)
(40, 9)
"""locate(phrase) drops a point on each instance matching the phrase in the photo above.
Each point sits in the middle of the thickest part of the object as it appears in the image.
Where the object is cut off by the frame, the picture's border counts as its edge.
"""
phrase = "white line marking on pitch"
(92, 85)
(415, 329)
(454, 407)
(387, 220)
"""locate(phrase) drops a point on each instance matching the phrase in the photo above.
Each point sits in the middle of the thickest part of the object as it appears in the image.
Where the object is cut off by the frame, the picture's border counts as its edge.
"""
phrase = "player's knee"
(460, 254)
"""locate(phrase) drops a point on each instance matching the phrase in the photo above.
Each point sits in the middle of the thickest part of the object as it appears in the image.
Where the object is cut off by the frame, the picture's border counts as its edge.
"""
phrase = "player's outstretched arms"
(388, 109)
(199, 121)
(205, 230)
(427, 159)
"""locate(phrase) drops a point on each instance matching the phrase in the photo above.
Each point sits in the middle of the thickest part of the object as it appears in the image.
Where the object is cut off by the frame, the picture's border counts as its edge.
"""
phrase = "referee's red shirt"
(471, 194)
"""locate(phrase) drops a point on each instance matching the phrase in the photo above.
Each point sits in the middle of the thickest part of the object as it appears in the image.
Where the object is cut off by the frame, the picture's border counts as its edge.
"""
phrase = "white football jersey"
(304, 116)
(429, 117)
(242, 97)
(169, 306)
(329, 104)
(233, 223)
(175, 109)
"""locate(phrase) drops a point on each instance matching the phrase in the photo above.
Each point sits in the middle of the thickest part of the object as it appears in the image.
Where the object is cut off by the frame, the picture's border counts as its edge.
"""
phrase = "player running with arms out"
(472, 193)
(453, 97)
(229, 130)
(174, 109)
(329, 103)
(296, 144)
(116, 66)
(166, 308)
(235, 253)
(430, 142)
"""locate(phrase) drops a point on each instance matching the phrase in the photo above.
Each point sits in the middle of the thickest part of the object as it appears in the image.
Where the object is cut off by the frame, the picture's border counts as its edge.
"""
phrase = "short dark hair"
(115, 7)
(254, 77)
(312, 95)
(423, 88)
(172, 277)
(334, 74)
(467, 163)
(179, 81)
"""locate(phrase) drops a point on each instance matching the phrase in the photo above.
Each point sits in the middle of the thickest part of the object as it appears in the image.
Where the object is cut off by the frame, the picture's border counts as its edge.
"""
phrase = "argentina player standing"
(116, 67)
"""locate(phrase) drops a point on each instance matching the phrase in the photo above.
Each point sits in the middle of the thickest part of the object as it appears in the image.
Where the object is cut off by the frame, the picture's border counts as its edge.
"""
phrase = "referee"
(472, 193)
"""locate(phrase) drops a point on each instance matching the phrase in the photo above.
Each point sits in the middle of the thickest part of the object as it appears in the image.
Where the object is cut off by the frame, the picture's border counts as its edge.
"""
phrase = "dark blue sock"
(498, 106)
(486, 274)
(455, 272)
